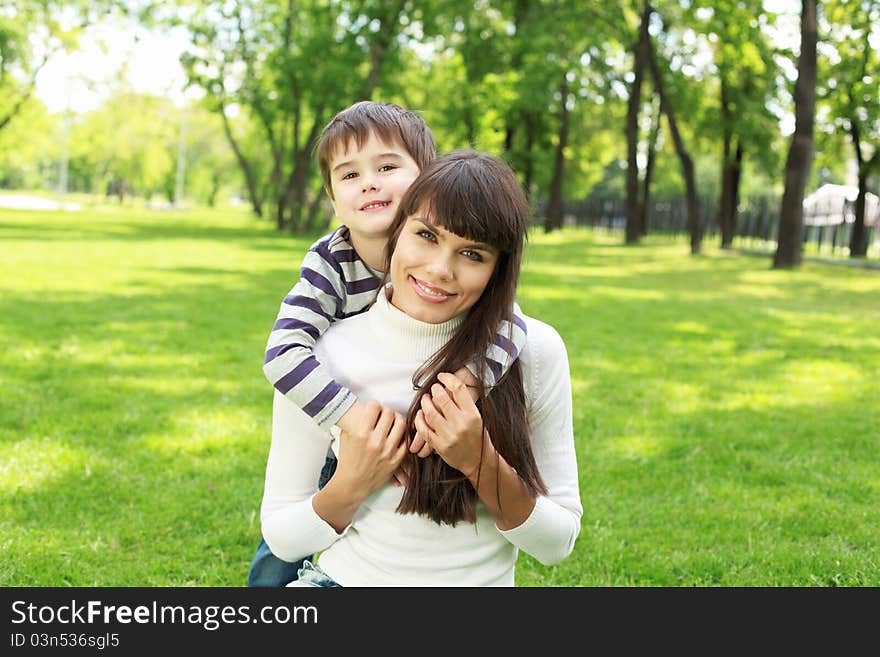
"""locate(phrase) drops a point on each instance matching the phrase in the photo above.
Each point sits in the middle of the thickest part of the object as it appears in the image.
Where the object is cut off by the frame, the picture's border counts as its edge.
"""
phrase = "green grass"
(726, 415)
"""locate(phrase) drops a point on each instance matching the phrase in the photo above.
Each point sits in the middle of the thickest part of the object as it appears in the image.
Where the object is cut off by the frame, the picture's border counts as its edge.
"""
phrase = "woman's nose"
(441, 268)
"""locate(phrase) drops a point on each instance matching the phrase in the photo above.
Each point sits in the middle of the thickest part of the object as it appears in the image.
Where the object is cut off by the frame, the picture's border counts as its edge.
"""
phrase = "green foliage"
(849, 78)
(211, 170)
(130, 146)
(484, 73)
(725, 431)
(130, 140)
(29, 151)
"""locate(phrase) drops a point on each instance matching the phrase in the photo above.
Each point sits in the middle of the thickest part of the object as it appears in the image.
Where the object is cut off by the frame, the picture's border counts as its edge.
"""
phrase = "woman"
(502, 476)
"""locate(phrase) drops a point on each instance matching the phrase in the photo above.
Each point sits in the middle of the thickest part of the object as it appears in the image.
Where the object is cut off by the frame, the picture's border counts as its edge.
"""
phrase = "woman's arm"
(545, 526)
(299, 447)
(297, 519)
(368, 457)
(454, 428)
(550, 531)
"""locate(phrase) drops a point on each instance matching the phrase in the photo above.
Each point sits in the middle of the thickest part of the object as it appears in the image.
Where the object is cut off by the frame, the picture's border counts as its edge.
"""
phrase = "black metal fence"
(757, 221)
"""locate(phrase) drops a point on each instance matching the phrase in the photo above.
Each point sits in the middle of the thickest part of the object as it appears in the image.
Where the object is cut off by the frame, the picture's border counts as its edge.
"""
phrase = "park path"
(23, 202)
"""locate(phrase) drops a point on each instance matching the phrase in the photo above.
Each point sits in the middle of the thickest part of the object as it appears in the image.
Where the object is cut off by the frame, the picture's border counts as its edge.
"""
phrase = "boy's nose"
(369, 183)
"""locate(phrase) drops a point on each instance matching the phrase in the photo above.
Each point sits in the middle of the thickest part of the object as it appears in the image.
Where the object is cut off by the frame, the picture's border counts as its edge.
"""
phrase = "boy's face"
(368, 184)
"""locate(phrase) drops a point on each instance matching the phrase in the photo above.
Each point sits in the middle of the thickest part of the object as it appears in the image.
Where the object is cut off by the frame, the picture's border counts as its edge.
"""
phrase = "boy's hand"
(400, 476)
(419, 446)
(467, 377)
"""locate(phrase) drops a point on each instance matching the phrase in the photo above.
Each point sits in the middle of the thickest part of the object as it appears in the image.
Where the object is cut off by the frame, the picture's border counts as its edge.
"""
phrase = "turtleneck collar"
(418, 338)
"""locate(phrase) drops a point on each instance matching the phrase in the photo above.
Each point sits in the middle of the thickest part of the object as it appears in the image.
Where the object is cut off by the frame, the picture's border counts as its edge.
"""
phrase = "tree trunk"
(517, 117)
(687, 164)
(314, 208)
(529, 173)
(645, 202)
(389, 24)
(731, 171)
(723, 219)
(800, 152)
(736, 176)
(858, 241)
(26, 94)
(246, 169)
(293, 198)
(633, 211)
(554, 203)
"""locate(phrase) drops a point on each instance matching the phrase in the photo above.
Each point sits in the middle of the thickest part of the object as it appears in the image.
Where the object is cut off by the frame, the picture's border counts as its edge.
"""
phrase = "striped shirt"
(334, 284)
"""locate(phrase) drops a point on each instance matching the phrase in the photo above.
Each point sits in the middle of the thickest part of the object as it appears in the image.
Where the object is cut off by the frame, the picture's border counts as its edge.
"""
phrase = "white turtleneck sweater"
(375, 355)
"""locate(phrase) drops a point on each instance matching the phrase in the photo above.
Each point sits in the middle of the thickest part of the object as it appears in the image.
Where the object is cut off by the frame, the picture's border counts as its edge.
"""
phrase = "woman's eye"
(472, 255)
(428, 235)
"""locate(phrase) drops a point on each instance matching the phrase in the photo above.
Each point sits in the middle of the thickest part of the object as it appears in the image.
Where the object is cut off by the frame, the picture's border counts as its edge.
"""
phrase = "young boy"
(368, 155)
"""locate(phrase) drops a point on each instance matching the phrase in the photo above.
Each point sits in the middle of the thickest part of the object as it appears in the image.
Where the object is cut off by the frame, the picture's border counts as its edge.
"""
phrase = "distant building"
(836, 204)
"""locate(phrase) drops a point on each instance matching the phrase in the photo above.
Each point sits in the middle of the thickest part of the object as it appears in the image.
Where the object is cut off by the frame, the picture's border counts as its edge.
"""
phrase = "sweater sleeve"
(290, 525)
(550, 531)
(510, 338)
(333, 284)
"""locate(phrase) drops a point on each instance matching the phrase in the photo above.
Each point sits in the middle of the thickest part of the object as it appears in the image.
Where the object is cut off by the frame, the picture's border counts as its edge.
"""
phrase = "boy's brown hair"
(389, 122)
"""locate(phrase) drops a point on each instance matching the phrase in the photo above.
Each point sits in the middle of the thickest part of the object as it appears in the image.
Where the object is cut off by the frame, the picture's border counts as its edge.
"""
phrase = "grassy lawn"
(726, 415)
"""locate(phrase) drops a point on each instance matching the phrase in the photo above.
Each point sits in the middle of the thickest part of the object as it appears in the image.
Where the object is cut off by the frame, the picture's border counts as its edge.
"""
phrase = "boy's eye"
(349, 175)
(387, 167)
(476, 256)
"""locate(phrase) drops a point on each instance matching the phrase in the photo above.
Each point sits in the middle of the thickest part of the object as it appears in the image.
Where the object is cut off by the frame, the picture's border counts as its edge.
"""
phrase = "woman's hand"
(419, 445)
(451, 424)
(370, 454)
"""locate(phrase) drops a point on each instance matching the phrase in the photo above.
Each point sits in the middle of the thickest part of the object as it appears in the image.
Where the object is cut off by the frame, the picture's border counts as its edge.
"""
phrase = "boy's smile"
(368, 183)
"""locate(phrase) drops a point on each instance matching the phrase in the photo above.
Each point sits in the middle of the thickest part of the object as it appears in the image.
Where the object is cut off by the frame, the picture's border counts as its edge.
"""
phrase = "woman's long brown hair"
(478, 197)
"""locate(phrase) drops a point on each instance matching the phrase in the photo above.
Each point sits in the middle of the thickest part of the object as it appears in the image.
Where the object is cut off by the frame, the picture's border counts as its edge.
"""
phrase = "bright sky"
(84, 78)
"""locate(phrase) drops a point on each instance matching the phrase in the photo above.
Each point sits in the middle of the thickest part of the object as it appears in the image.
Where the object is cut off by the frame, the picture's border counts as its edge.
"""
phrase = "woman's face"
(436, 274)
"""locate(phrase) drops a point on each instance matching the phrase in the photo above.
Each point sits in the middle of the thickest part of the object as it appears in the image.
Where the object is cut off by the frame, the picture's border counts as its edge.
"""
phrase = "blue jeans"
(266, 569)
(311, 575)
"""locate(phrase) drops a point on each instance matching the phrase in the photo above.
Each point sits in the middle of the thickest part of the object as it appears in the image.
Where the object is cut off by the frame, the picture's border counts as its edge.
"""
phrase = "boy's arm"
(510, 338)
(320, 297)
(509, 342)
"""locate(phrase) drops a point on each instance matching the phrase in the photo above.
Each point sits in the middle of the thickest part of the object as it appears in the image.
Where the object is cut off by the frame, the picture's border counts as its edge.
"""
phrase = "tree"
(635, 205)
(31, 31)
(737, 33)
(210, 163)
(125, 147)
(687, 164)
(29, 152)
(850, 89)
(800, 153)
(288, 67)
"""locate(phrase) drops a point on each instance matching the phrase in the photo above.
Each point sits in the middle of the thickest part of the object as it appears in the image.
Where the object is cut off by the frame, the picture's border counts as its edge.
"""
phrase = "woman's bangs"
(463, 206)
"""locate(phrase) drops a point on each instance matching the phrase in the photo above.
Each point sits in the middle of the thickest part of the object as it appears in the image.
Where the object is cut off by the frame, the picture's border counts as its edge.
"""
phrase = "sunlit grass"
(726, 414)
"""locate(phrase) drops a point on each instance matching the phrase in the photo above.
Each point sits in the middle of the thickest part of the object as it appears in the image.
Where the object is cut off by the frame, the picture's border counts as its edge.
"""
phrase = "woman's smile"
(429, 292)
(436, 274)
